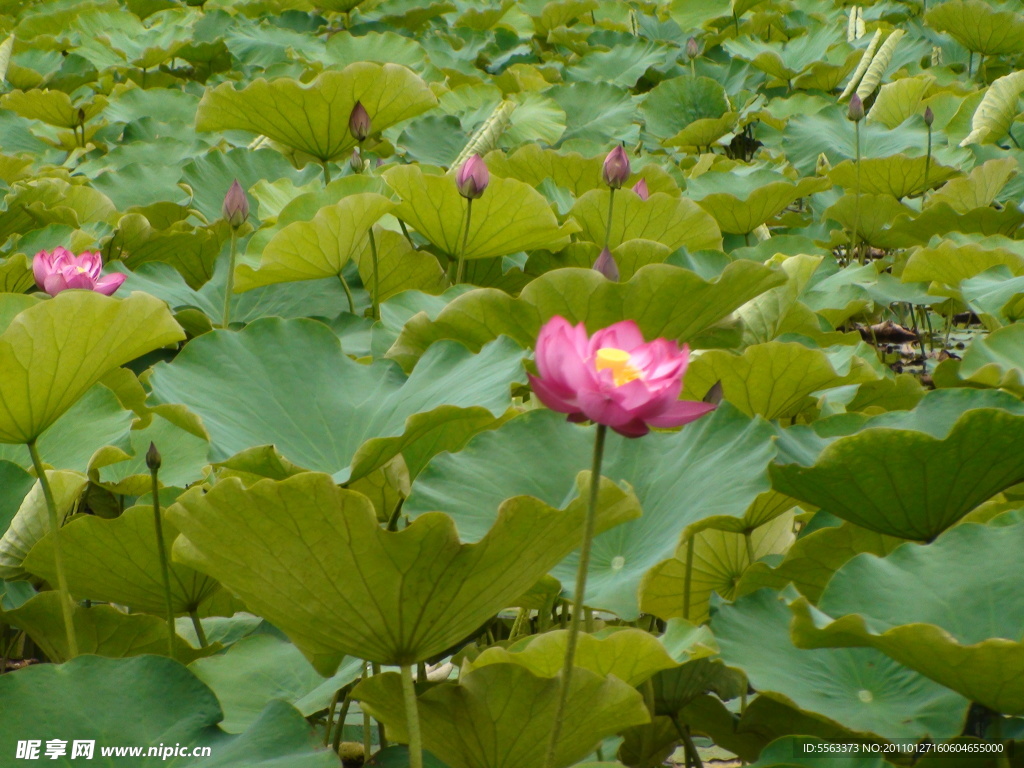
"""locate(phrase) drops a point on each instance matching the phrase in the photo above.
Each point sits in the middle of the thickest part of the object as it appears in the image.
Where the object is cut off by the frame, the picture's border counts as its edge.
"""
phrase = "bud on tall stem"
(359, 122)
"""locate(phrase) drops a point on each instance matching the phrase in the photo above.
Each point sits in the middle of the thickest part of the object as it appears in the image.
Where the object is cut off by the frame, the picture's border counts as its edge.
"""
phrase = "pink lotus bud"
(359, 122)
(236, 205)
(356, 162)
(613, 377)
(641, 189)
(692, 48)
(472, 178)
(616, 168)
(606, 265)
(856, 111)
(59, 269)
(929, 116)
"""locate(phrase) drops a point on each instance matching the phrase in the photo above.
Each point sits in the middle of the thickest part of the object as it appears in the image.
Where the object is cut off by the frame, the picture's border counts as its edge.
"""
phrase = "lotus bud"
(616, 168)
(856, 111)
(929, 116)
(356, 162)
(606, 265)
(236, 205)
(153, 457)
(359, 122)
(641, 189)
(81, 116)
(692, 48)
(472, 178)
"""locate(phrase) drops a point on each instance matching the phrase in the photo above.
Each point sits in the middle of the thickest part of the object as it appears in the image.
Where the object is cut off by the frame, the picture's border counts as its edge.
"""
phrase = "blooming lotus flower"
(641, 189)
(59, 269)
(473, 178)
(616, 168)
(613, 377)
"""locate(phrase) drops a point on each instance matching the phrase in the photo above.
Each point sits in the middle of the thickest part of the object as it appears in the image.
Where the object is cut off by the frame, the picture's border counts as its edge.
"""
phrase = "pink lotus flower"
(59, 269)
(472, 178)
(613, 377)
(641, 189)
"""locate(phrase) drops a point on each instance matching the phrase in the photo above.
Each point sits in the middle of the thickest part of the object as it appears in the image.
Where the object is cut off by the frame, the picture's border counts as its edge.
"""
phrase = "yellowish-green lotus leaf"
(675, 222)
(949, 262)
(979, 188)
(52, 107)
(875, 215)
(997, 110)
(979, 27)
(31, 524)
(900, 100)
(399, 267)
(51, 353)
(704, 132)
(313, 118)
(897, 176)
(511, 216)
(310, 250)
(742, 216)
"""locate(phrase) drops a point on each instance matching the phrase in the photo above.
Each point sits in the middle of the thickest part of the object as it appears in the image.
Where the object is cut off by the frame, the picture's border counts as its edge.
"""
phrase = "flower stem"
(856, 203)
(688, 577)
(327, 173)
(608, 229)
(230, 287)
(62, 582)
(367, 734)
(374, 299)
(164, 569)
(579, 596)
(927, 167)
(412, 718)
(465, 239)
(198, 626)
(348, 293)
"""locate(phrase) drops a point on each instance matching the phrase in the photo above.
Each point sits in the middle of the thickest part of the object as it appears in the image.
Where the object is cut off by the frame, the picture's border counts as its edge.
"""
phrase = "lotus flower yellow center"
(81, 270)
(618, 361)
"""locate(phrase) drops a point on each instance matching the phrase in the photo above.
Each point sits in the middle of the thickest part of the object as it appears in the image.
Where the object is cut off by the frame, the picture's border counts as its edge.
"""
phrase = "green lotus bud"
(929, 116)
(356, 162)
(236, 205)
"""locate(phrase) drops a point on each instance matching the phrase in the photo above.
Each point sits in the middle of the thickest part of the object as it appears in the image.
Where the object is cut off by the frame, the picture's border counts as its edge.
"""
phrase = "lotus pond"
(494, 384)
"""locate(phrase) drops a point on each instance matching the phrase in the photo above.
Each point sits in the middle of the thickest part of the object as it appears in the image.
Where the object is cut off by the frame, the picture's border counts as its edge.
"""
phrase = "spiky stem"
(164, 568)
(230, 287)
(412, 718)
(348, 293)
(375, 298)
(611, 207)
(856, 204)
(465, 240)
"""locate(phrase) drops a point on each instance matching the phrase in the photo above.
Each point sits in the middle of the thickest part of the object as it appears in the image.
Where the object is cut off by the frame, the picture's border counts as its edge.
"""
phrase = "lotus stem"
(327, 173)
(688, 576)
(692, 756)
(382, 738)
(856, 204)
(375, 298)
(330, 717)
(348, 293)
(198, 626)
(465, 240)
(927, 166)
(608, 228)
(62, 581)
(412, 718)
(230, 287)
(748, 540)
(165, 571)
(345, 704)
(367, 736)
(579, 596)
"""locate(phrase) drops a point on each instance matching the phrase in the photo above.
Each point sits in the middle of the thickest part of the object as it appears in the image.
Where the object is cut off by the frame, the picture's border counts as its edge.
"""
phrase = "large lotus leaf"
(997, 360)
(499, 716)
(996, 293)
(676, 222)
(31, 523)
(259, 668)
(900, 100)
(941, 219)
(674, 104)
(35, 203)
(792, 751)
(319, 407)
(16, 483)
(391, 597)
(116, 561)
(102, 630)
(919, 606)
(510, 216)
(632, 655)
(720, 557)
(147, 700)
(400, 267)
(979, 188)
(897, 176)
(910, 474)
(978, 26)
(53, 352)
(651, 298)
(680, 479)
(858, 688)
(774, 380)
(951, 261)
(874, 216)
(16, 274)
(313, 117)
(596, 115)
(764, 316)
(998, 109)
(193, 252)
(787, 59)
(52, 107)
(309, 250)
(814, 558)
(743, 213)
(96, 420)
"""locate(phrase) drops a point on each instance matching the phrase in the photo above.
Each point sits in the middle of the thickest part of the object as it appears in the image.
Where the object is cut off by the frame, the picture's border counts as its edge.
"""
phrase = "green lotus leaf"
(743, 213)
(950, 436)
(596, 114)
(510, 217)
(874, 214)
(116, 561)
(720, 557)
(354, 418)
(145, 697)
(940, 219)
(704, 132)
(36, 203)
(192, 252)
(792, 751)
(978, 27)
(997, 360)
(897, 176)
(309, 250)
(622, 64)
(998, 109)
(52, 107)
(979, 188)
(53, 352)
(407, 595)
(764, 316)
(632, 655)
(996, 293)
(399, 267)
(30, 523)
(814, 558)
(16, 274)
(499, 716)
(259, 668)
(774, 380)
(674, 104)
(900, 100)
(16, 483)
(677, 687)
(860, 689)
(678, 478)
(383, 47)
(951, 261)
(673, 221)
(917, 605)
(389, 92)
(784, 61)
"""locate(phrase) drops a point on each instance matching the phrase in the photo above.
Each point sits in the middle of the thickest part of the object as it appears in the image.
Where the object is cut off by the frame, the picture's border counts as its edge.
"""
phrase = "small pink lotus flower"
(613, 377)
(473, 178)
(59, 269)
(615, 170)
(641, 189)
(606, 265)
